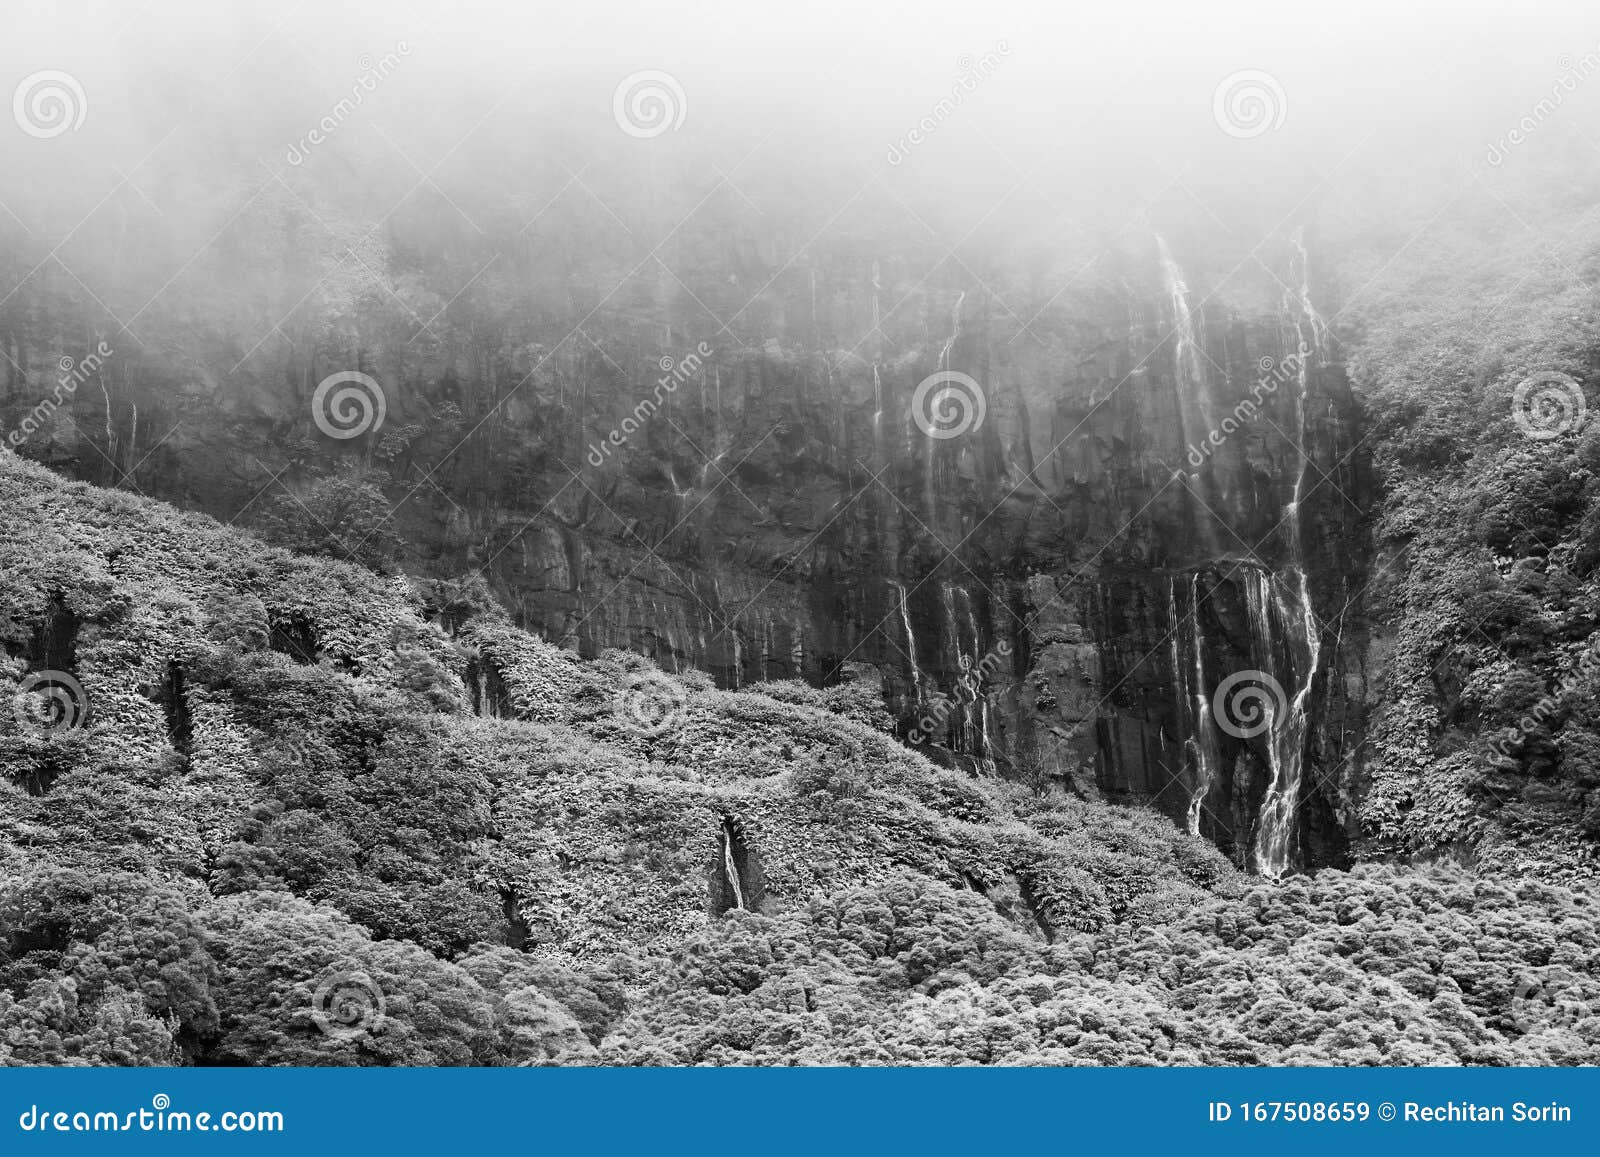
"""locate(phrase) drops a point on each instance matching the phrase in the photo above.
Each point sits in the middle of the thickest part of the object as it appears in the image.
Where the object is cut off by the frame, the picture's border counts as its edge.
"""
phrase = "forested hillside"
(271, 808)
(1474, 352)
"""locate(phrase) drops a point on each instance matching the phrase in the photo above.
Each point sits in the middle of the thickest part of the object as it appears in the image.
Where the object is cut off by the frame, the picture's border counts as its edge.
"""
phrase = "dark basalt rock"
(780, 514)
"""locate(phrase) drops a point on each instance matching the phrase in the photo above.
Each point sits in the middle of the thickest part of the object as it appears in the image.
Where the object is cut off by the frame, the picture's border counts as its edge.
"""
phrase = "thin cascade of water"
(729, 869)
(1293, 609)
(911, 638)
(1189, 380)
(1190, 390)
(944, 366)
(1203, 743)
(1282, 623)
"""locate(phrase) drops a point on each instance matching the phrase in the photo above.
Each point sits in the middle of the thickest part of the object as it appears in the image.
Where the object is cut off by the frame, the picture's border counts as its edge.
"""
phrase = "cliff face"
(1058, 592)
(1144, 491)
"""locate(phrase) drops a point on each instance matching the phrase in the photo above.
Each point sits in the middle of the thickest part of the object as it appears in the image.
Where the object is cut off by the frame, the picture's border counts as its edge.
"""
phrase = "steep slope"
(228, 678)
(1477, 360)
(284, 809)
(774, 497)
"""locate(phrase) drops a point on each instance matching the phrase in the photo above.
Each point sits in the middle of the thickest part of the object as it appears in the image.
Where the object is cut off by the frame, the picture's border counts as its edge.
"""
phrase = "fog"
(1081, 118)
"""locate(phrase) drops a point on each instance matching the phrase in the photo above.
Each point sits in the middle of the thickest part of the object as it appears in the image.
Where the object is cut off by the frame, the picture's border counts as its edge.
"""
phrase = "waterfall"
(681, 494)
(729, 869)
(955, 331)
(969, 699)
(911, 638)
(985, 743)
(976, 672)
(1280, 614)
(1190, 390)
(1303, 383)
(1293, 610)
(956, 656)
(1318, 327)
(944, 366)
(1203, 743)
(1190, 377)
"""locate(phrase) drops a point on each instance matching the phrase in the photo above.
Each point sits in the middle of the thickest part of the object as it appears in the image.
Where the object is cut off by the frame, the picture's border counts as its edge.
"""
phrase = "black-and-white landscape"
(1006, 534)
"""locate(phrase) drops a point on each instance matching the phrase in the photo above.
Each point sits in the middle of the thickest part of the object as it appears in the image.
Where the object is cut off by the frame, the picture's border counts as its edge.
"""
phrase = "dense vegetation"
(1487, 746)
(320, 815)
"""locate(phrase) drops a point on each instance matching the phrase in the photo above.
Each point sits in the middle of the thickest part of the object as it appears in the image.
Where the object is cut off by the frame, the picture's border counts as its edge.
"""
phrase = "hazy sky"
(1085, 96)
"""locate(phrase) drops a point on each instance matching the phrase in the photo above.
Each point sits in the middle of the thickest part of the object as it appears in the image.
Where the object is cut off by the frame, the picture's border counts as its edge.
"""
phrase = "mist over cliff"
(1152, 422)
